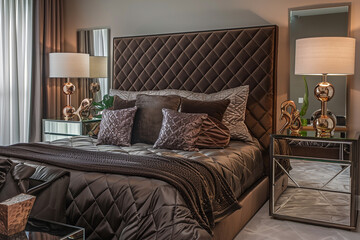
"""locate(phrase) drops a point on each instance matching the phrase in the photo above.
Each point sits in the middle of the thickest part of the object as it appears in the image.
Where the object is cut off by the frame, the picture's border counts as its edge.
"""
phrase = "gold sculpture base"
(14, 214)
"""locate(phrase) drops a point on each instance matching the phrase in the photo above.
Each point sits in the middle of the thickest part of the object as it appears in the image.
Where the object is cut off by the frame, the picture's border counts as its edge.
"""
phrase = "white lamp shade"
(325, 55)
(68, 65)
(98, 67)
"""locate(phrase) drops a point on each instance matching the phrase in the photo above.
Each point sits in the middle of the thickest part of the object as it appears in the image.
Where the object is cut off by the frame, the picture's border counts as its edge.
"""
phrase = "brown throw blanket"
(205, 191)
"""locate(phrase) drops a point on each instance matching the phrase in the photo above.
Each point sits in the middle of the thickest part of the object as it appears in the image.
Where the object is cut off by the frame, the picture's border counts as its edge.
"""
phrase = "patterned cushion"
(116, 127)
(234, 115)
(179, 130)
(213, 134)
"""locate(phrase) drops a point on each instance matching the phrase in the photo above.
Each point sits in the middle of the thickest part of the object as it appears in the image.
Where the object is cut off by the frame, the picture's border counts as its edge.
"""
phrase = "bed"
(115, 206)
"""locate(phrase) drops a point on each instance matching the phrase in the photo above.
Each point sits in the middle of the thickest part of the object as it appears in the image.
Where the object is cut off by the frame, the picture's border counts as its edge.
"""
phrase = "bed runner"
(203, 188)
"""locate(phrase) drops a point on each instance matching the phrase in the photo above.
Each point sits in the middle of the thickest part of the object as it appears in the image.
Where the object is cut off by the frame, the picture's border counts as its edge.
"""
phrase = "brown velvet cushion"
(116, 127)
(149, 117)
(215, 109)
(213, 134)
(120, 103)
(179, 130)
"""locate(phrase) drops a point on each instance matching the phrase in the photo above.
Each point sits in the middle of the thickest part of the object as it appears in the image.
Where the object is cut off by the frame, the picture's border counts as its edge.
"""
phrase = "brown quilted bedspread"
(204, 190)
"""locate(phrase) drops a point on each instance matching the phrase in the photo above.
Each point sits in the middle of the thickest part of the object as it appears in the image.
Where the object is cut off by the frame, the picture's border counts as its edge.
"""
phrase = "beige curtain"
(85, 44)
(47, 97)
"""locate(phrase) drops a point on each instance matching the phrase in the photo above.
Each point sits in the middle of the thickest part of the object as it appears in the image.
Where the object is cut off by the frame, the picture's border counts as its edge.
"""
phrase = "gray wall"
(135, 17)
(317, 26)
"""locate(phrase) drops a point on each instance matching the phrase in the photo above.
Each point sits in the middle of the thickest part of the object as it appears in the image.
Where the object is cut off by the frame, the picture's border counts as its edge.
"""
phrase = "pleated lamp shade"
(98, 67)
(68, 65)
(325, 55)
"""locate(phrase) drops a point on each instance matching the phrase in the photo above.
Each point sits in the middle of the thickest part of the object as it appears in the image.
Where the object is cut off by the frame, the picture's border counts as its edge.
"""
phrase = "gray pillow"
(179, 131)
(116, 127)
(234, 116)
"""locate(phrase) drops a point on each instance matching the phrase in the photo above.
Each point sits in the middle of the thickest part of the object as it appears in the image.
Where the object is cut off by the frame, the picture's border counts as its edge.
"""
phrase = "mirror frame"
(348, 78)
(109, 62)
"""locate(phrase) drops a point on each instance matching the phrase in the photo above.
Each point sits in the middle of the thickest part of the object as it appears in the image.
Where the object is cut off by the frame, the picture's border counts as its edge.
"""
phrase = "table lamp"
(324, 56)
(98, 69)
(68, 65)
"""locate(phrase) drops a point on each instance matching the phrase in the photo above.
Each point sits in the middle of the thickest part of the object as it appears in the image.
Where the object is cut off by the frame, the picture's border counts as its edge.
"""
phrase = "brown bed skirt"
(251, 202)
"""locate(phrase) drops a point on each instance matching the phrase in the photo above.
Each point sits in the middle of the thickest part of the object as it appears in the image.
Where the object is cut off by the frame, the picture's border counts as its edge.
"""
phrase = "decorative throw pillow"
(149, 117)
(234, 116)
(120, 103)
(215, 109)
(116, 127)
(179, 131)
(213, 134)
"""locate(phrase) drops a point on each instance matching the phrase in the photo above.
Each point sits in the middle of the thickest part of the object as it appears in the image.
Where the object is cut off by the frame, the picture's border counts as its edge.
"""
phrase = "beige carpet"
(263, 227)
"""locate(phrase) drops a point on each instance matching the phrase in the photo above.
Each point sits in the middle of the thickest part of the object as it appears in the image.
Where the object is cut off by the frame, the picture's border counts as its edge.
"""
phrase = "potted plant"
(105, 103)
(304, 107)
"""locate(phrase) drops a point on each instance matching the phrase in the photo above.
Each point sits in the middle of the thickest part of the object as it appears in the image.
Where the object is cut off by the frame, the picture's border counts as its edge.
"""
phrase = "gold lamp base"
(324, 126)
(323, 123)
(68, 110)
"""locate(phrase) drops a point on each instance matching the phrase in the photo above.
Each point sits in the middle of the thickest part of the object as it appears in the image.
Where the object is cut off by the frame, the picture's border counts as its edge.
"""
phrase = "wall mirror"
(95, 42)
(318, 21)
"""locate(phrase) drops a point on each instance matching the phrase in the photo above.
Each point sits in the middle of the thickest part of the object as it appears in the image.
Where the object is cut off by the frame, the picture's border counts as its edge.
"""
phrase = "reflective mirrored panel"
(314, 181)
(95, 42)
(318, 21)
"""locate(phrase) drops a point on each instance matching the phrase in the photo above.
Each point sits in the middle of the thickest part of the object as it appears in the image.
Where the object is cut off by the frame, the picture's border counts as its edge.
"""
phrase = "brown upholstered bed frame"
(208, 62)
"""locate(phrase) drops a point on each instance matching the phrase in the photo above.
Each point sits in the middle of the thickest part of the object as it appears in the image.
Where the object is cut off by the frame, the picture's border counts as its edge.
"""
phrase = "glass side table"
(54, 129)
(44, 230)
(315, 180)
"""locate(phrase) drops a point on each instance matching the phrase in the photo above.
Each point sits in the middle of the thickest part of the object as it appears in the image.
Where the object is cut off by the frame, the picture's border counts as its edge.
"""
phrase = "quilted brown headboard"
(205, 62)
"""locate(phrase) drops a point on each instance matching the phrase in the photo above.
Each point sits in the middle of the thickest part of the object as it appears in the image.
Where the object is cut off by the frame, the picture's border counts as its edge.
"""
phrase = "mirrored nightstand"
(43, 230)
(47, 230)
(315, 180)
(54, 129)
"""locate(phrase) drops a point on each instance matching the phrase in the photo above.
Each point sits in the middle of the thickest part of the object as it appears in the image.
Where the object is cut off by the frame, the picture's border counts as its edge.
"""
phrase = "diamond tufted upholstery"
(205, 62)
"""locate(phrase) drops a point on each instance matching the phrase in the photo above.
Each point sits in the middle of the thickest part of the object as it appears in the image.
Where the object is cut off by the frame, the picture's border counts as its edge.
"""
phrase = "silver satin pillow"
(179, 131)
(234, 116)
(116, 127)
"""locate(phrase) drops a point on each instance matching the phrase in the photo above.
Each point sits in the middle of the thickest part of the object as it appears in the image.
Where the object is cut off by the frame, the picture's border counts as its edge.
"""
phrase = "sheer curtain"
(15, 70)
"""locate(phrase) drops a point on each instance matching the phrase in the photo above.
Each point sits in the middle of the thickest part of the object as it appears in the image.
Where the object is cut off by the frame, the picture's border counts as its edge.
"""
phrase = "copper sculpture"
(291, 116)
(83, 112)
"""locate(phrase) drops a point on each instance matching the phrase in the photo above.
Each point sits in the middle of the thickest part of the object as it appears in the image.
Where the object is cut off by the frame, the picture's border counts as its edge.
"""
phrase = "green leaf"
(305, 104)
(97, 104)
(106, 102)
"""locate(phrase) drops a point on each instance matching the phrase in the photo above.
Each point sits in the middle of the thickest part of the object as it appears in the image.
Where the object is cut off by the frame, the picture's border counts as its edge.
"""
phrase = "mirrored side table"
(37, 229)
(43, 230)
(54, 129)
(315, 180)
